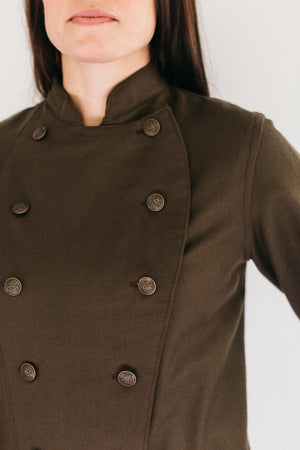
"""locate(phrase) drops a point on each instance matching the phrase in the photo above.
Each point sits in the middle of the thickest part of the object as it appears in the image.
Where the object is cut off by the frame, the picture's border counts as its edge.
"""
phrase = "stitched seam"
(250, 174)
(247, 169)
(165, 327)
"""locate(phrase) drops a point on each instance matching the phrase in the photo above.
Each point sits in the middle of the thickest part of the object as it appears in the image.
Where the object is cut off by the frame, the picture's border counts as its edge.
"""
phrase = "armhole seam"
(254, 148)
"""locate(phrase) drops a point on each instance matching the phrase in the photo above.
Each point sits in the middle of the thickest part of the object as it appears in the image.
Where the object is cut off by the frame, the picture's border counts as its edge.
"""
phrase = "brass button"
(126, 378)
(147, 285)
(27, 371)
(12, 286)
(155, 201)
(39, 133)
(20, 207)
(151, 127)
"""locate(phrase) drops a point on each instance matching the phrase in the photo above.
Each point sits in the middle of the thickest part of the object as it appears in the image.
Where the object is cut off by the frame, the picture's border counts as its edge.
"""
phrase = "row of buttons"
(13, 286)
(155, 202)
(29, 373)
(151, 127)
(146, 285)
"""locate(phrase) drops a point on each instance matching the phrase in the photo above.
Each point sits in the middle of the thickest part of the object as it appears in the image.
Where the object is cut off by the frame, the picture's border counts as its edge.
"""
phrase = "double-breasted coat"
(123, 256)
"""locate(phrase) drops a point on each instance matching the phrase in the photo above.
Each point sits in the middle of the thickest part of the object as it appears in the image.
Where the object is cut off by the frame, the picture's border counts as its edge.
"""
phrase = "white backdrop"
(251, 51)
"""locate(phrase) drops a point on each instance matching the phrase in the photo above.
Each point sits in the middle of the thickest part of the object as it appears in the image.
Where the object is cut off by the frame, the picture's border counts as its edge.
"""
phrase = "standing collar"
(134, 90)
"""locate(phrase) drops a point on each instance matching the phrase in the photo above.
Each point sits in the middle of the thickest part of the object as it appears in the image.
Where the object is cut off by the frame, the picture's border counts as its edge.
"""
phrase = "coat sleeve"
(274, 209)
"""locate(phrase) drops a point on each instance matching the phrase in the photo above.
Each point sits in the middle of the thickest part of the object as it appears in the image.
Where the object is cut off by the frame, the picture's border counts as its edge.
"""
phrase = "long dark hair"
(175, 46)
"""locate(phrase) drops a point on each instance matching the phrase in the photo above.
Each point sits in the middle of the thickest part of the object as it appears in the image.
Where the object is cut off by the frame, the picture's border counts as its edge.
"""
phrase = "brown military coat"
(123, 256)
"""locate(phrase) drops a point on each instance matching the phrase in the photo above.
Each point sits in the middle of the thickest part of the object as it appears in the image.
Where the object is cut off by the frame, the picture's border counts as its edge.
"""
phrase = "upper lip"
(94, 12)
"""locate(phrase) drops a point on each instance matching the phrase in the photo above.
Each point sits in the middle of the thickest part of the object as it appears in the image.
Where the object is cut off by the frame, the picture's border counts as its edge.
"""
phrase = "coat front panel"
(79, 252)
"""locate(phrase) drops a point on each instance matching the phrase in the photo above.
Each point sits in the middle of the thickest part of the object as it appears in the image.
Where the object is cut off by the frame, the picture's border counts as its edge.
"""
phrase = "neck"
(89, 84)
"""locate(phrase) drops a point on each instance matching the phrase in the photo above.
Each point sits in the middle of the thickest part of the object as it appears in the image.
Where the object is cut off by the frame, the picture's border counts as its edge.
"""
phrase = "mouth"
(93, 14)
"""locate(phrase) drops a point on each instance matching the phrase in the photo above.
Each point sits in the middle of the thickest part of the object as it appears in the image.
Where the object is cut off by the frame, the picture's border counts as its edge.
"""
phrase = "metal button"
(155, 201)
(12, 286)
(27, 371)
(151, 127)
(147, 285)
(39, 133)
(126, 378)
(20, 207)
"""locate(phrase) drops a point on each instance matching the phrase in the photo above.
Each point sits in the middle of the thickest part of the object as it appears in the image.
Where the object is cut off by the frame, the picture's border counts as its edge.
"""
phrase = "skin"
(97, 57)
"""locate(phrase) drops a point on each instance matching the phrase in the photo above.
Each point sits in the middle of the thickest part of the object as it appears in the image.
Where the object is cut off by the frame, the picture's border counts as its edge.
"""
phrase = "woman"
(131, 203)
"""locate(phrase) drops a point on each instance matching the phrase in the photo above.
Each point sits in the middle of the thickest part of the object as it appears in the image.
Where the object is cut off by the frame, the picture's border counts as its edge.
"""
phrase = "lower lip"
(91, 20)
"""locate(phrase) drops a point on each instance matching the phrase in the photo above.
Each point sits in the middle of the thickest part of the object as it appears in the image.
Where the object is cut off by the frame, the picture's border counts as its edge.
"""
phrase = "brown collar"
(131, 92)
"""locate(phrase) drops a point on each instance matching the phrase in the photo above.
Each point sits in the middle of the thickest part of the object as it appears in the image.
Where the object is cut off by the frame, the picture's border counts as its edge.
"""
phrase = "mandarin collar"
(128, 94)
